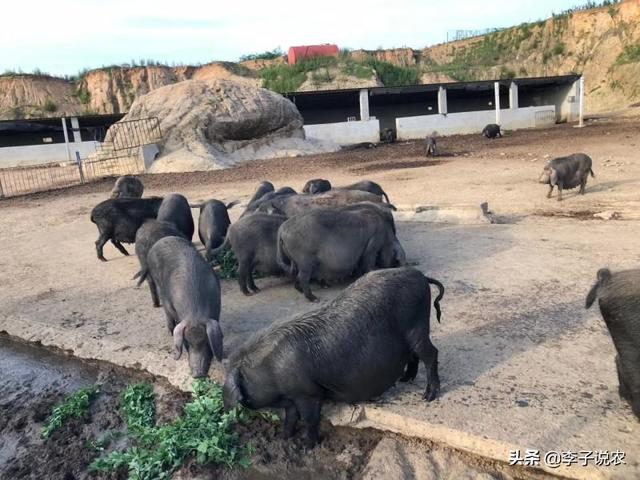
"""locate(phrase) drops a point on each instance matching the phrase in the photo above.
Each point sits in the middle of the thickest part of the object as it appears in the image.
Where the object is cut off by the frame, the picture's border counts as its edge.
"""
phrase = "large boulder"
(213, 123)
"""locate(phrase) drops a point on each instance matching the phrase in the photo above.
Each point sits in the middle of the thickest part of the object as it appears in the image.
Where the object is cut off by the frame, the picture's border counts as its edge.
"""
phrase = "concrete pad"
(523, 365)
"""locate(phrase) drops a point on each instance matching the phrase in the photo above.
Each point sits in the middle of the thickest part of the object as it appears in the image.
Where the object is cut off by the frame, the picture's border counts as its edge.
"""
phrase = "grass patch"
(289, 78)
(322, 75)
(354, 69)
(630, 54)
(204, 429)
(75, 405)
(392, 75)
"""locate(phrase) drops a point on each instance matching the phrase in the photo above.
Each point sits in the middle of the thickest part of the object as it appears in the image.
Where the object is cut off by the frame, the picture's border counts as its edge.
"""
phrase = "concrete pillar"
(442, 101)
(496, 89)
(581, 106)
(513, 96)
(66, 137)
(75, 126)
(364, 104)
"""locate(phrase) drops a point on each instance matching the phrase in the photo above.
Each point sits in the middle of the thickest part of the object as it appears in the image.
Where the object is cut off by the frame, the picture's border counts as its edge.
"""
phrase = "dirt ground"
(523, 365)
(34, 380)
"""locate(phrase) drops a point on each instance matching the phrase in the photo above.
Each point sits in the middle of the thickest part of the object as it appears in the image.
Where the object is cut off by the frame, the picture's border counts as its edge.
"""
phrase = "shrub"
(268, 55)
(50, 106)
(630, 54)
(83, 96)
(392, 75)
(558, 49)
(507, 73)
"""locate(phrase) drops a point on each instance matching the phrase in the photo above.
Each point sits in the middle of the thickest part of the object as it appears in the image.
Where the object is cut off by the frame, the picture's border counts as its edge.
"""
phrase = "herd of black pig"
(379, 325)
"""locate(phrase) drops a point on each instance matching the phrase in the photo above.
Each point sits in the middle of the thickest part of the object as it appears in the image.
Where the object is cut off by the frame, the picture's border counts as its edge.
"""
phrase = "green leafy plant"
(228, 264)
(204, 430)
(75, 405)
(139, 407)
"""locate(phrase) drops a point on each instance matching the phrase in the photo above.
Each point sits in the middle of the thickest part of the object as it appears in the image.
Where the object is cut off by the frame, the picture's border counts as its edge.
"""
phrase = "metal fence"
(133, 133)
(119, 155)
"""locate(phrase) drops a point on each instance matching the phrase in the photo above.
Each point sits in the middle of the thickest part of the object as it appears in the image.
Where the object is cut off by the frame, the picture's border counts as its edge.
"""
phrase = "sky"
(66, 36)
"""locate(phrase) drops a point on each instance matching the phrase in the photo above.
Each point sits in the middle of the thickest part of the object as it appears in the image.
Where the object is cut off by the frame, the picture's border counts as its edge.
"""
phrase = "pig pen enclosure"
(523, 364)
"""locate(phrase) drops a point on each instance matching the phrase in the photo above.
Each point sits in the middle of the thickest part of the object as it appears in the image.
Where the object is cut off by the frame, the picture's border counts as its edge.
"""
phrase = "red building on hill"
(304, 52)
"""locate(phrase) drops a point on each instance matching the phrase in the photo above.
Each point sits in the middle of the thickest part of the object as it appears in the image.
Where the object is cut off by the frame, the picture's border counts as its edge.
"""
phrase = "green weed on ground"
(204, 430)
(139, 407)
(75, 405)
(228, 264)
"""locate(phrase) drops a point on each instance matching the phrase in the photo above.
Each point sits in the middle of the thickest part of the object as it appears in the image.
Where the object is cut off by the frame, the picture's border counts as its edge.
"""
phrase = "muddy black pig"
(567, 172)
(146, 237)
(316, 185)
(619, 297)
(350, 350)
(175, 208)
(127, 186)
(118, 220)
(190, 294)
(213, 224)
(491, 130)
(333, 244)
(253, 240)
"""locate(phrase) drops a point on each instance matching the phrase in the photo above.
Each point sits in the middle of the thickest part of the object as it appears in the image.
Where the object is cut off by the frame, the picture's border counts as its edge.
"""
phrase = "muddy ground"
(34, 380)
(523, 365)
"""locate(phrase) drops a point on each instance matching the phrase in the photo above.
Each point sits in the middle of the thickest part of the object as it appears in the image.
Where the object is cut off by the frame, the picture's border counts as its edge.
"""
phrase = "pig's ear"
(178, 339)
(399, 254)
(214, 334)
(234, 382)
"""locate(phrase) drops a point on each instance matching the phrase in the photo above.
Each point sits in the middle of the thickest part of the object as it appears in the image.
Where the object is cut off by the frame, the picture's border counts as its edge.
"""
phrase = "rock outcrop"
(31, 96)
(210, 124)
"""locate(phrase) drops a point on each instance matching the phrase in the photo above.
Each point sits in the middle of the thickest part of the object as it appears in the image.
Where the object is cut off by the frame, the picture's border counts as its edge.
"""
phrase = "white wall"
(570, 103)
(473, 122)
(47, 153)
(346, 133)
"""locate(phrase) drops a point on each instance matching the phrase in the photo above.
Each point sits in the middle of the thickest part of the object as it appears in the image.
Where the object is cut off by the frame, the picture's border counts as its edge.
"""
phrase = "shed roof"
(477, 85)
